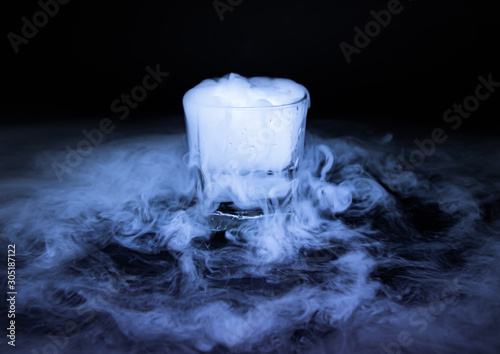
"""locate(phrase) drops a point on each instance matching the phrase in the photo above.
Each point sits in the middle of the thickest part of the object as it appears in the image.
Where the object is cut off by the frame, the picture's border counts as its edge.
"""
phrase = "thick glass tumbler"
(246, 156)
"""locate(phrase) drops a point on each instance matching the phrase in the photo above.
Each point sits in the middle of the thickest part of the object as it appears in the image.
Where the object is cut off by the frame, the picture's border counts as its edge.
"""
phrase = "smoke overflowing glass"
(246, 137)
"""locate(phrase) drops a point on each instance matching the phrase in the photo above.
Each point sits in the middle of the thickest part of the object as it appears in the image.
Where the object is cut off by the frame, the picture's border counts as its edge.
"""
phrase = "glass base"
(229, 217)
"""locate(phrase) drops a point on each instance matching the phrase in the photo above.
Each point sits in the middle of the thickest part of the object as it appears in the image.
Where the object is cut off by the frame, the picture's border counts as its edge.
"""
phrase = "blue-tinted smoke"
(118, 257)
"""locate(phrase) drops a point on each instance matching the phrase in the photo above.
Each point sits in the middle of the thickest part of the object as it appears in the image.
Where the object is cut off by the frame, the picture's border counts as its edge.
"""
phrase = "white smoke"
(234, 90)
(245, 136)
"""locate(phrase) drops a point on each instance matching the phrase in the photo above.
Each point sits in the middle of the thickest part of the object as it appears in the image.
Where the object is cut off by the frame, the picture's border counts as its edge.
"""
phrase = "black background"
(424, 61)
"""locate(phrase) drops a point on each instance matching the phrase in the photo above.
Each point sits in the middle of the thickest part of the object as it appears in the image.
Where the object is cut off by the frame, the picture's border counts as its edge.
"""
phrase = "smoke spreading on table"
(118, 257)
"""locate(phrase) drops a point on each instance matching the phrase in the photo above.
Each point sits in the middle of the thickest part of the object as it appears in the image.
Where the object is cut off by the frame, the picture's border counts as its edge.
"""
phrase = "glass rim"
(305, 98)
